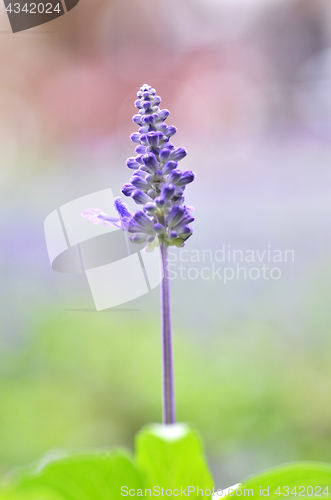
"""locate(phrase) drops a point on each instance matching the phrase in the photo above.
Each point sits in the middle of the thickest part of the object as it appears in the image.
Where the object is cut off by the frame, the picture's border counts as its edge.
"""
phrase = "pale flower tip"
(91, 212)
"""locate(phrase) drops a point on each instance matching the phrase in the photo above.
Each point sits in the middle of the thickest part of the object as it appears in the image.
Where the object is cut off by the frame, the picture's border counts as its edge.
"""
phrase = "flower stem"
(169, 416)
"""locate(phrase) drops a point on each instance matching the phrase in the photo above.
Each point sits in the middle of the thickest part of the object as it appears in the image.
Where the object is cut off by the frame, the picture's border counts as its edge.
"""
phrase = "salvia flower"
(97, 216)
(157, 183)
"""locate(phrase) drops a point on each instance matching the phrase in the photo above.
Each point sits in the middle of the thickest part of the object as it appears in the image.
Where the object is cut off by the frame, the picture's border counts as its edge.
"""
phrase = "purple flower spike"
(157, 183)
(161, 190)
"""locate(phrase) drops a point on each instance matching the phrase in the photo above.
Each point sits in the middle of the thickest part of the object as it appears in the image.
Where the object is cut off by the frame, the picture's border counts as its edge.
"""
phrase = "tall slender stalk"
(169, 413)
(157, 184)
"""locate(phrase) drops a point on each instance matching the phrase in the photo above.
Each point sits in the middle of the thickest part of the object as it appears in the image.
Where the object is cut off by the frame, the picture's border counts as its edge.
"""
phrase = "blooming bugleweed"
(157, 183)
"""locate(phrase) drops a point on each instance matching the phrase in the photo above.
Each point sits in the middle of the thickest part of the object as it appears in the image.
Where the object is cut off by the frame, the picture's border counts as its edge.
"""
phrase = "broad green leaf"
(302, 480)
(94, 476)
(171, 457)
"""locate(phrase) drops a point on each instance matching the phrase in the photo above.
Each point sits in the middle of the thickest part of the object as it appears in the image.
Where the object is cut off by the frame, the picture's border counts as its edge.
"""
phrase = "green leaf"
(171, 457)
(94, 476)
(302, 480)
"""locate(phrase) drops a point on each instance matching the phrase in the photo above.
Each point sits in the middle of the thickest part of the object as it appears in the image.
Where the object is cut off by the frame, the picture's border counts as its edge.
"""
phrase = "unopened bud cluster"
(157, 183)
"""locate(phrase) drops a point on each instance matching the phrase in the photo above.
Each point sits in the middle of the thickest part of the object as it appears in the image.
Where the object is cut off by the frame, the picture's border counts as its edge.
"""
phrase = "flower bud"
(153, 139)
(150, 161)
(185, 231)
(169, 166)
(174, 176)
(140, 150)
(137, 119)
(149, 119)
(140, 173)
(186, 178)
(140, 197)
(164, 154)
(138, 238)
(139, 183)
(170, 131)
(176, 215)
(163, 114)
(127, 189)
(147, 106)
(178, 154)
(167, 191)
(132, 163)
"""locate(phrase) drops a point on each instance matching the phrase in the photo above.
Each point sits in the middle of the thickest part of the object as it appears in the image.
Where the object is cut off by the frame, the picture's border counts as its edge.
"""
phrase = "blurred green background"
(247, 83)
